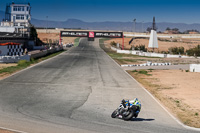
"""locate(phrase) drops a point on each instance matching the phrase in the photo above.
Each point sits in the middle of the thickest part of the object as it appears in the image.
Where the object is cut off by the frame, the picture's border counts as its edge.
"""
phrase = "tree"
(175, 29)
(168, 28)
(177, 50)
(194, 51)
(140, 47)
(33, 32)
(149, 29)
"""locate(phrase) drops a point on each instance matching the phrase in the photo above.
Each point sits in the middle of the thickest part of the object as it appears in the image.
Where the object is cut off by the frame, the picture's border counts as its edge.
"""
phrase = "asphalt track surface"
(76, 92)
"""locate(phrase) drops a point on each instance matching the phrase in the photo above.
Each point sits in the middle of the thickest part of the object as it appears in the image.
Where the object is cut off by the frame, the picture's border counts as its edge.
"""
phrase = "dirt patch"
(7, 65)
(47, 37)
(2, 66)
(178, 90)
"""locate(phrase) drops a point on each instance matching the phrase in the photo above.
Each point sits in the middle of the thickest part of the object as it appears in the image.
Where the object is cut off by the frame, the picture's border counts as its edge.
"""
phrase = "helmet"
(123, 101)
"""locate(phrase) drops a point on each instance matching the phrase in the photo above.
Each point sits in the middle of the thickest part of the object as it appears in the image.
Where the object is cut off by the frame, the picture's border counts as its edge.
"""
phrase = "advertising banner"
(109, 34)
(91, 34)
(74, 34)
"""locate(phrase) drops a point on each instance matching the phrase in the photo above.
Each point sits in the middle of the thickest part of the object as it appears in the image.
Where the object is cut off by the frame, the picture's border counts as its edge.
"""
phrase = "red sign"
(91, 34)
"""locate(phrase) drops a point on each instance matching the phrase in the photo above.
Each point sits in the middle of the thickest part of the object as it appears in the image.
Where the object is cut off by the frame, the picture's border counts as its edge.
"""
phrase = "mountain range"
(109, 25)
(117, 26)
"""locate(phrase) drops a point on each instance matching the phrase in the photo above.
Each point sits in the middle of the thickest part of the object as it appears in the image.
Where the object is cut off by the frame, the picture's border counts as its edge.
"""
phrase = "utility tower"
(154, 24)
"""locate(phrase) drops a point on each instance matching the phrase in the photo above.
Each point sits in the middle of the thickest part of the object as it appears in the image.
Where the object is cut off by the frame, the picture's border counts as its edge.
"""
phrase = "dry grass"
(55, 36)
(7, 65)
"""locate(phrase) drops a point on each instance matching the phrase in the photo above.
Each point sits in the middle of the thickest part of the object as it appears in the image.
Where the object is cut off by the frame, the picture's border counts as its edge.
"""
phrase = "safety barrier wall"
(194, 67)
(15, 59)
(45, 52)
(140, 53)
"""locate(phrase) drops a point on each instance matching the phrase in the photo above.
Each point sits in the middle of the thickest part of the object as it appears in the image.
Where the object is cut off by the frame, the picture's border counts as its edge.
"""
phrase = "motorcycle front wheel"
(114, 114)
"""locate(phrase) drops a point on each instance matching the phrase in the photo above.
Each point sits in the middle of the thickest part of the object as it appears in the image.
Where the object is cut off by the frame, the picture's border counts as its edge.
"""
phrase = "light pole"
(142, 26)
(134, 21)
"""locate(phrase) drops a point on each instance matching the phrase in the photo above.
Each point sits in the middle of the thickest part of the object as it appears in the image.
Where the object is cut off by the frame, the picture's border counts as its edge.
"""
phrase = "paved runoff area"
(76, 92)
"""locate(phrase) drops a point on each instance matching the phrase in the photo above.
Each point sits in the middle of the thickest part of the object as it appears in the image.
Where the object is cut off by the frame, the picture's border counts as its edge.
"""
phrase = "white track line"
(12, 130)
(185, 126)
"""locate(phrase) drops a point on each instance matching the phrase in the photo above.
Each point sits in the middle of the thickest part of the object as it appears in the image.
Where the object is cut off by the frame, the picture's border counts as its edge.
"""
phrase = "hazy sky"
(186, 11)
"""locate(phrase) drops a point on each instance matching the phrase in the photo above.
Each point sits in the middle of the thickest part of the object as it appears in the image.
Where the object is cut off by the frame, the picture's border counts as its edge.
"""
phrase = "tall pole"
(142, 26)
(122, 41)
(134, 21)
(154, 24)
(134, 25)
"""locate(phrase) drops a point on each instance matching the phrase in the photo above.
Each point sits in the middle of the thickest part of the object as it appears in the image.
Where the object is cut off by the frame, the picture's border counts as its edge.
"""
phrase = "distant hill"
(108, 25)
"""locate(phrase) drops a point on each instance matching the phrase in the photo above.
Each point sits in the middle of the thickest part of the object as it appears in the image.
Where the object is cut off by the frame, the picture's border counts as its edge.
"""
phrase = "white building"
(17, 16)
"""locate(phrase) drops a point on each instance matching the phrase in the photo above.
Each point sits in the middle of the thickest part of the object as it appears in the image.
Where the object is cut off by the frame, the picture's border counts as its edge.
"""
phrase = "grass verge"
(76, 41)
(24, 64)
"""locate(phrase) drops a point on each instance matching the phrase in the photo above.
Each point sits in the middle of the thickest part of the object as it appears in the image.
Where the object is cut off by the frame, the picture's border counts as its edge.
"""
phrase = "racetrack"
(76, 92)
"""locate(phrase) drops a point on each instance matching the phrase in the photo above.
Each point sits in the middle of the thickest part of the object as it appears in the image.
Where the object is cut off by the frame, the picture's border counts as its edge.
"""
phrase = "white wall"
(194, 67)
(7, 29)
(140, 53)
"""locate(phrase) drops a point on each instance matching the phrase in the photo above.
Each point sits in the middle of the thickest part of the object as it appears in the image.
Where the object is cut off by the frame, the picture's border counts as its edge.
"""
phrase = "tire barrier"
(147, 64)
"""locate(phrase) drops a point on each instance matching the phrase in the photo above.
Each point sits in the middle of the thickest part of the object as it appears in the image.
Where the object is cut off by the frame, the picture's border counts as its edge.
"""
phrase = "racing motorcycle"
(126, 110)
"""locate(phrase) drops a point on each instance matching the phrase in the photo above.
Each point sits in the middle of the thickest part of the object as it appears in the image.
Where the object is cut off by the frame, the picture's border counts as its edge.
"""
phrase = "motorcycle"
(126, 110)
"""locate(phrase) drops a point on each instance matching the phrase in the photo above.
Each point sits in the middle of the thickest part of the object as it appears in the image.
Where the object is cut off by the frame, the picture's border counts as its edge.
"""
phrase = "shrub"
(194, 51)
(177, 50)
(23, 63)
(143, 72)
(140, 47)
(134, 71)
(113, 43)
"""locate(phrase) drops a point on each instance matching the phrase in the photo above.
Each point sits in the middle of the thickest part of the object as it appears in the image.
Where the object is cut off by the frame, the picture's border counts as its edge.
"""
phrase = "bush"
(113, 43)
(140, 47)
(134, 71)
(23, 63)
(194, 51)
(177, 50)
(143, 72)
